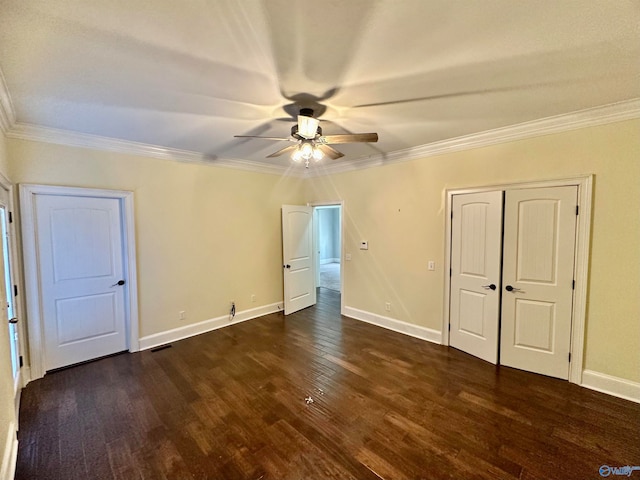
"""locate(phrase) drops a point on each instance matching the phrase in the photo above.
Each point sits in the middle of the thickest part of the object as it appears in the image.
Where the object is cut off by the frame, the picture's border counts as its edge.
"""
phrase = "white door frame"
(32, 276)
(581, 265)
(336, 203)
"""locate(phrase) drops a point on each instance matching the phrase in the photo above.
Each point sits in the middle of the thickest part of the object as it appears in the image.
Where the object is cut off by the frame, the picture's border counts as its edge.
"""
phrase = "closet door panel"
(476, 245)
(538, 266)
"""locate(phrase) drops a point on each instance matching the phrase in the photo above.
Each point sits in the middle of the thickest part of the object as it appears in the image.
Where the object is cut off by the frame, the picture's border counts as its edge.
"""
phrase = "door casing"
(31, 274)
(581, 268)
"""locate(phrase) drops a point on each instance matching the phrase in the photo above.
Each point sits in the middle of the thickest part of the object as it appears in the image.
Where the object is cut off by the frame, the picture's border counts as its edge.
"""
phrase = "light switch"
(431, 265)
(347, 256)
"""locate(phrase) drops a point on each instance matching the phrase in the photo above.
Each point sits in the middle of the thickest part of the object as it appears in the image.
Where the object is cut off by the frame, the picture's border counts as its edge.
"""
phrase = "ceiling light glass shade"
(317, 154)
(306, 150)
(297, 155)
(307, 126)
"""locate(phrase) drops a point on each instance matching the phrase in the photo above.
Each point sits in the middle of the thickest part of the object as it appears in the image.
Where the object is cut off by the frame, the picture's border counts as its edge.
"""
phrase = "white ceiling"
(191, 74)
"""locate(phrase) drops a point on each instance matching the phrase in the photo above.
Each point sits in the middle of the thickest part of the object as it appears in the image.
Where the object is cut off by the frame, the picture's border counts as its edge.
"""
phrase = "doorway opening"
(328, 246)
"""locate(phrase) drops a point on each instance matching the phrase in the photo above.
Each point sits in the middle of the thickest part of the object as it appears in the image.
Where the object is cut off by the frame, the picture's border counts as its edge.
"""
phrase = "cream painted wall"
(399, 209)
(7, 410)
(205, 235)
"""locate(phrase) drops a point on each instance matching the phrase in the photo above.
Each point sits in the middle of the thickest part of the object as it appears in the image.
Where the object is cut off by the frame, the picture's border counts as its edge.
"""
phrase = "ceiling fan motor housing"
(306, 112)
(294, 132)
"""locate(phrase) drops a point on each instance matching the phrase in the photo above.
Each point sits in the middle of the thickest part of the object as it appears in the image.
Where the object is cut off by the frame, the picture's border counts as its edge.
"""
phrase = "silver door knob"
(13, 320)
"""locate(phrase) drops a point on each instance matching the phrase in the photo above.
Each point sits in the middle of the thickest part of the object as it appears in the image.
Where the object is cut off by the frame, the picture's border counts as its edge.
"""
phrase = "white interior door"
(79, 246)
(297, 255)
(539, 245)
(8, 295)
(476, 246)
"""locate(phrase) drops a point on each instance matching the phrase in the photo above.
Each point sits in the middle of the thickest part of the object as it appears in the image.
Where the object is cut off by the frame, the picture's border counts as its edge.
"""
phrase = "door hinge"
(15, 290)
(20, 361)
(577, 209)
(573, 285)
(451, 213)
(569, 357)
(450, 272)
(449, 327)
(10, 217)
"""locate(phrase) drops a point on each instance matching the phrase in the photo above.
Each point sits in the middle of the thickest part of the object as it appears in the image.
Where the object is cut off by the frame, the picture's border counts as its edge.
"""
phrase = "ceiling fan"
(309, 141)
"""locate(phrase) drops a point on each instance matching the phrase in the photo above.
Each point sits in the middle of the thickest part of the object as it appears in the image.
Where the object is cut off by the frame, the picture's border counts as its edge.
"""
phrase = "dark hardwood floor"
(230, 404)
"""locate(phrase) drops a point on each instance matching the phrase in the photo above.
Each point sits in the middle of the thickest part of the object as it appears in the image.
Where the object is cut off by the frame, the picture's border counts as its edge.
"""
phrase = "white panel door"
(12, 320)
(81, 269)
(297, 255)
(539, 245)
(476, 245)
(9, 294)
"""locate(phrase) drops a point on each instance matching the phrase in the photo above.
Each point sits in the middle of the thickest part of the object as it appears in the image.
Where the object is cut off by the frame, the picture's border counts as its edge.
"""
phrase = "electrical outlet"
(387, 306)
(347, 256)
(182, 314)
(253, 298)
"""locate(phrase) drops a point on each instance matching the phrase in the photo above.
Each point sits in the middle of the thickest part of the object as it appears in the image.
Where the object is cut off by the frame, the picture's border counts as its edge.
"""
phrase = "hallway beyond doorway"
(330, 276)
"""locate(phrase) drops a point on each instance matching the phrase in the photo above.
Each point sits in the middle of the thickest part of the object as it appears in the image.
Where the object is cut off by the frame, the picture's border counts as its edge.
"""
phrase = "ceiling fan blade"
(282, 151)
(330, 152)
(288, 139)
(349, 138)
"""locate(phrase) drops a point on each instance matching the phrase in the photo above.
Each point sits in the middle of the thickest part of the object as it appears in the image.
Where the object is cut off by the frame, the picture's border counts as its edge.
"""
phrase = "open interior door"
(297, 258)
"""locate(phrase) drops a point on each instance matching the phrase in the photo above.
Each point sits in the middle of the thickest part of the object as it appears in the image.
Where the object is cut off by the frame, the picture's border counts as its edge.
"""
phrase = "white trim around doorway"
(31, 274)
(581, 265)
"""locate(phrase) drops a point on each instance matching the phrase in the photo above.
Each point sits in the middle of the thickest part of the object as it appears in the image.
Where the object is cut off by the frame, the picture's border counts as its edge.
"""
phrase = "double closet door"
(512, 272)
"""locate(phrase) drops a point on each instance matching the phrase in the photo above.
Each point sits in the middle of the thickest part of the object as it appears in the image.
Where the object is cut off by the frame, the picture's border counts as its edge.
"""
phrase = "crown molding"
(7, 115)
(26, 131)
(591, 117)
(611, 113)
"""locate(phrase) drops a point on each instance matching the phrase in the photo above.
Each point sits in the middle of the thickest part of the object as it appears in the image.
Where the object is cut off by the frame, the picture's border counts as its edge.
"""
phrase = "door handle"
(119, 283)
(13, 320)
(489, 287)
(287, 266)
(509, 288)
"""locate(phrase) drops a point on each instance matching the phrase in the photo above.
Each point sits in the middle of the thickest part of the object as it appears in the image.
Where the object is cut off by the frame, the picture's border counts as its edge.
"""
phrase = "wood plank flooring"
(230, 404)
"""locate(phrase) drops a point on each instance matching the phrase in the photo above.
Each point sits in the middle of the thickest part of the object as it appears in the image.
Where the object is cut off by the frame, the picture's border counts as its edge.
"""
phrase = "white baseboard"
(616, 386)
(26, 375)
(187, 331)
(423, 333)
(329, 260)
(10, 455)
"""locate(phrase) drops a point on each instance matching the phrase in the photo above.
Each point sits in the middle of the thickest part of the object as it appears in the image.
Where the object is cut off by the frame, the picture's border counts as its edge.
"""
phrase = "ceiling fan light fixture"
(309, 141)
(306, 150)
(307, 126)
(297, 155)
